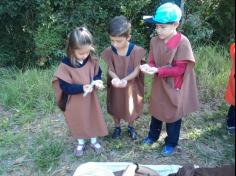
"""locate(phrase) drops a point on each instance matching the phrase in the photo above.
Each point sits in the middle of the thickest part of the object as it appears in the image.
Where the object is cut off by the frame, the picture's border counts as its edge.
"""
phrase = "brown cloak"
(83, 114)
(168, 104)
(125, 103)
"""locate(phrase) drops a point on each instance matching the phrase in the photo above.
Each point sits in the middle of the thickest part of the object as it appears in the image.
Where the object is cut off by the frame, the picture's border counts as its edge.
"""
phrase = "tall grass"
(212, 69)
(32, 91)
(28, 91)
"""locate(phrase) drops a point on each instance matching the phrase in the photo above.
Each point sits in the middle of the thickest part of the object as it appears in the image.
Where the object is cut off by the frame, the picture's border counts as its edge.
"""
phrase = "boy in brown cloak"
(174, 90)
(125, 82)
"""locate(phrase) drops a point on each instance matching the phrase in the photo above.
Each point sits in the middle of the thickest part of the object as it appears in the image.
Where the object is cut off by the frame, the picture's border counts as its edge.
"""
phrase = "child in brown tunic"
(125, 82)
(174, 92)
(75, 83)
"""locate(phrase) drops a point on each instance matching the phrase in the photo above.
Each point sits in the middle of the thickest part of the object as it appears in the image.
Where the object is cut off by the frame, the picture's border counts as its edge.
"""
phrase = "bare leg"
(117, 122)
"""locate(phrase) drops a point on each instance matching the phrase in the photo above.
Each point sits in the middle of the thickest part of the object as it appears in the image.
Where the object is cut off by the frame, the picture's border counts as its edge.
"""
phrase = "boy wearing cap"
(174, 91)
(125, 82)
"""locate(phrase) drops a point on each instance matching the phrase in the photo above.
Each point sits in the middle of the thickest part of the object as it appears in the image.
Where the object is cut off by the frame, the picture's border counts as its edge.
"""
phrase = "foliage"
(210, 20)
(35, 31)
(222, 20)
(48, 44)
(17, 23)
(197, 30)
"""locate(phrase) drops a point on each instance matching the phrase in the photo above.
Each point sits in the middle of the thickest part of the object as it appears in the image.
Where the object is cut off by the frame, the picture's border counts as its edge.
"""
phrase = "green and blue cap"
(165, 14)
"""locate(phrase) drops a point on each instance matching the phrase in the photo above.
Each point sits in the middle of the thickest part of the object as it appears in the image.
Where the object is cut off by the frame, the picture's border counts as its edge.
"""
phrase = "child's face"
(166, 31)
(120, 42)
(82, 53)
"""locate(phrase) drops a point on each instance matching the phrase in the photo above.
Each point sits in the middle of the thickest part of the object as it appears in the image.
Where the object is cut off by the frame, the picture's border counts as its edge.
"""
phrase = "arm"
(112, 74)
(71, 89)
(132, 75)
(151, 62)
(177, 69)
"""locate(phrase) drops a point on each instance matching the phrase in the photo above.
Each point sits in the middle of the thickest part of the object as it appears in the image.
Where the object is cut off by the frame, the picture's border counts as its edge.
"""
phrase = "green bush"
(48, 44)
(17, 21)
(198, 31)
(35, 29)
(210, 20)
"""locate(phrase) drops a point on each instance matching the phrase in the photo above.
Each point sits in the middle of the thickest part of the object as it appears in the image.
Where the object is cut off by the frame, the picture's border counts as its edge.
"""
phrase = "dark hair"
(119, 26)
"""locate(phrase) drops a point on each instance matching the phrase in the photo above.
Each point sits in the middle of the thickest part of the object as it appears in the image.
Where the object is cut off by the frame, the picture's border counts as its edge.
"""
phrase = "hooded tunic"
(83, 115)
(125, 103)
(167, 103)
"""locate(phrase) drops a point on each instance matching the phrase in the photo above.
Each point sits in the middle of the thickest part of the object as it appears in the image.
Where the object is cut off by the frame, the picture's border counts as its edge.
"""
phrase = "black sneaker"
(117, 133)
(132, 133)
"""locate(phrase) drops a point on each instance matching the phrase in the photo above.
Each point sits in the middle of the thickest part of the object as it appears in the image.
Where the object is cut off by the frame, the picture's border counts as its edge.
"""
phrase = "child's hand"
(152, 70)
(144, 67)
(116, 82)
(148, 70)
(123, 83)
(98, 84)
(88, 88)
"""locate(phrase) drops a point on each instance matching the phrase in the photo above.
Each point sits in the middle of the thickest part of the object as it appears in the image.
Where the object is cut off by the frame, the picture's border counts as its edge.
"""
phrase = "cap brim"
(150, 20)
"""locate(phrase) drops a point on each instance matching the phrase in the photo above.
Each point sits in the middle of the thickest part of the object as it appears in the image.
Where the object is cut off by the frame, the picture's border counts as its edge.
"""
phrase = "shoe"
(167, 150)
(148, 141)
(79, 150)
(97, 147)
(132, 133)
(117, 133)
(231, 130)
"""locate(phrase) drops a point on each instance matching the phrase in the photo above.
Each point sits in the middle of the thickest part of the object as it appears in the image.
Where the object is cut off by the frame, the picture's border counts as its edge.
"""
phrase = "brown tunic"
(168, 104)
(83, 114)
(125, 103)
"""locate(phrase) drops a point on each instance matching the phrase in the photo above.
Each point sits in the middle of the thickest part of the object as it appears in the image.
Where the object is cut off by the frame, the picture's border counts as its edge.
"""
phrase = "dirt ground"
(203, 142)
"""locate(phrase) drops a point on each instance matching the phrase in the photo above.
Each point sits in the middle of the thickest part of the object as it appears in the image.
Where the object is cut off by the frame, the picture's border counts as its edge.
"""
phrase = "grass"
(34, 139)
(27, 91)
(212, 69)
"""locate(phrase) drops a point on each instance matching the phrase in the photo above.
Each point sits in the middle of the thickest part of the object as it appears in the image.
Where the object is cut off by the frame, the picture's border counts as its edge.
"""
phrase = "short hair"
(119, 27)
